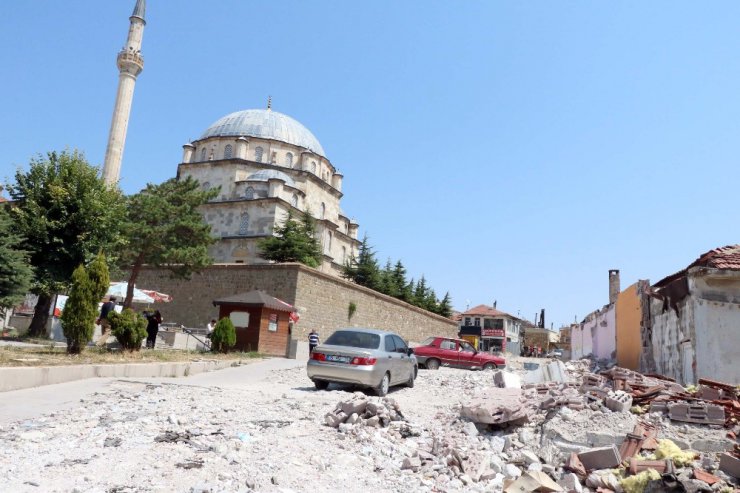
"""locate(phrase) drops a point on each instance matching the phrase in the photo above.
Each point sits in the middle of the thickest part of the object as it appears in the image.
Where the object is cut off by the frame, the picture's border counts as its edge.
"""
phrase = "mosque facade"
(267, 165)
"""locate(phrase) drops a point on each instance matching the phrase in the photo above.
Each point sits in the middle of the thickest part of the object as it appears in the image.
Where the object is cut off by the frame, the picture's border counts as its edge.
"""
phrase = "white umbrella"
(118, 289)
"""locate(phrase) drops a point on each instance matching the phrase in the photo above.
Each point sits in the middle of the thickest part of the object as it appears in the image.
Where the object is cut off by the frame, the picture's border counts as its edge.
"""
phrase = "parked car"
(555, 353)
(369, 358)
(457, 353)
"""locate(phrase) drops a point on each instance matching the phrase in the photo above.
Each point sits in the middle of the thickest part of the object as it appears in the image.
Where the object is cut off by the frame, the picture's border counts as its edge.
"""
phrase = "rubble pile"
(364, 412)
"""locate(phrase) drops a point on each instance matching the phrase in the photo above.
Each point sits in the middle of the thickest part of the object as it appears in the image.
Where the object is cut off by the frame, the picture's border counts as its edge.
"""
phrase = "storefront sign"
(492, 332)
(272, 324)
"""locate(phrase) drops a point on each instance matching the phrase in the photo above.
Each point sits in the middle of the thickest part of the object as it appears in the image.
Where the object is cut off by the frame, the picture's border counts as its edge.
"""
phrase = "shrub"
(78, 317)
(223, 336)
(129, 328)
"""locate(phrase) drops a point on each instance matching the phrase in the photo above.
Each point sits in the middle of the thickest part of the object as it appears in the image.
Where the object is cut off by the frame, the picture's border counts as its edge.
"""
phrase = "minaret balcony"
(130, 62)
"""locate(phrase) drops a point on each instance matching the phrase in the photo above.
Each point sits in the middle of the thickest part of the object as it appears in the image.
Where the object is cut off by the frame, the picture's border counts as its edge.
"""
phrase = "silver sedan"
(364, 357)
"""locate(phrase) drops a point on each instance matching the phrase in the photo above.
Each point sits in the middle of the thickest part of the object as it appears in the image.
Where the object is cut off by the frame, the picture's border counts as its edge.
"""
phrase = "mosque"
(266, 164)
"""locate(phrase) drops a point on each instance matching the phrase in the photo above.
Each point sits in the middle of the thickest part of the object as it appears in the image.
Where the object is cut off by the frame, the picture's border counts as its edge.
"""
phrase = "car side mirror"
(410, 351)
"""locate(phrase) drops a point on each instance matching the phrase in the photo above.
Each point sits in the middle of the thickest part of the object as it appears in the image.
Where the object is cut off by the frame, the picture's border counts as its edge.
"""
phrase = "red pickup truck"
(457, 353)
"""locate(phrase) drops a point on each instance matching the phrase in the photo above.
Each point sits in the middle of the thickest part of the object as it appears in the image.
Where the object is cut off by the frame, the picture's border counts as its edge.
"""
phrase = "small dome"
(265, 124)
(267, 174)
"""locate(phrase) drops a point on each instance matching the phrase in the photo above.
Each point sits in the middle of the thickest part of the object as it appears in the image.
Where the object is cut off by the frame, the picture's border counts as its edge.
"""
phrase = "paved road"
(32, 403)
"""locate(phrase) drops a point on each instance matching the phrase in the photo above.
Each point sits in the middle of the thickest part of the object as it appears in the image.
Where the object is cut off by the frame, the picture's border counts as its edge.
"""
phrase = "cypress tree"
(99, 276)
(78, 317)
(223, 336)
(445, 306)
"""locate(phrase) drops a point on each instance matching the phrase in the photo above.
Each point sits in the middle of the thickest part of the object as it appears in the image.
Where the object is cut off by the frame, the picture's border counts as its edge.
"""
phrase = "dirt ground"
(269, 435)
(52, 355)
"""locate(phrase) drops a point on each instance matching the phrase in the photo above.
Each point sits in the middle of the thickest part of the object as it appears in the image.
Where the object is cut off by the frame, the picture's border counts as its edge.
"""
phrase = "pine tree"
(293, 242)
(388, 281)
(445, 306)
(431, 303)
(15, 272)
(421, 293)
(399, 280)
(164, 228)
(78, 317)
(367, 272)
(408, 292)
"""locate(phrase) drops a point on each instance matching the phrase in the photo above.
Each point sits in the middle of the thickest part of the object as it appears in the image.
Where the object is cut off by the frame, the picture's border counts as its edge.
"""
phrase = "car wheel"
(321, 384)
(410, 382)
(432, 364)
(382, 388)
(490, 366)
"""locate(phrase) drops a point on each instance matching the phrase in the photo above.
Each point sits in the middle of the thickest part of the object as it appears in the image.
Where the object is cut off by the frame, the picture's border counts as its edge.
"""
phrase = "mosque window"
(203, 154)
(228, 151)
(258, 154)
(244, 224)
(249, 194)
(344, 255)
(313, 166)
(289, 160)
(294, 200)
(328, 242)
(323, 211)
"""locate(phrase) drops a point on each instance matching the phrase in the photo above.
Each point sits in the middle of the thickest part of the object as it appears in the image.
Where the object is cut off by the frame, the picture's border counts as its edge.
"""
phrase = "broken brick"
(600, 458)
(703, 475)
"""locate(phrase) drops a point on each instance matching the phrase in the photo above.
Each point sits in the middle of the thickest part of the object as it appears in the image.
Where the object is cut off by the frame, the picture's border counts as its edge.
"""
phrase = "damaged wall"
(601, 326)
(717, 340)
(629, 318)
(671, 341)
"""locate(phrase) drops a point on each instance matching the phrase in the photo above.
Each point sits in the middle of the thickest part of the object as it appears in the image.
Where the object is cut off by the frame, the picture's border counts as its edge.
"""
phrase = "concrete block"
(355, 406)
(507, 379)
(570, 483)
(729, 464)
(618, 401)
(696, 412)
(600, 458)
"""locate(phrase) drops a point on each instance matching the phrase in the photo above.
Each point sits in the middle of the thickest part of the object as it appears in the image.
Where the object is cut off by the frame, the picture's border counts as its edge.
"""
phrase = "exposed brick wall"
(322, 300)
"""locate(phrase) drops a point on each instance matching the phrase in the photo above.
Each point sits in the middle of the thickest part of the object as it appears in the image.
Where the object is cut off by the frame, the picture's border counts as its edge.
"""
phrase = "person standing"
(210, 327)
(152, 327)
(107, 307)
(313, 340)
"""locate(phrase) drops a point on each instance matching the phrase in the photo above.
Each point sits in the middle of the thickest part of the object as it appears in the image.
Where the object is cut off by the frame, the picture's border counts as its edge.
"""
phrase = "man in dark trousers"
(313, 340)
(107, 307)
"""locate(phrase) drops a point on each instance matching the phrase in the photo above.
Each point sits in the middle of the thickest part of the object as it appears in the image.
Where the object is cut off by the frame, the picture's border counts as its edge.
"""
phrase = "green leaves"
(78, 317)
(223, 336)
(15, 273)
(293, 242)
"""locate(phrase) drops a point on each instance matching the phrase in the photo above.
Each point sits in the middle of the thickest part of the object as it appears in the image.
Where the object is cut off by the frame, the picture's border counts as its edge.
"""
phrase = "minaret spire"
(130, 64)
(269, 102)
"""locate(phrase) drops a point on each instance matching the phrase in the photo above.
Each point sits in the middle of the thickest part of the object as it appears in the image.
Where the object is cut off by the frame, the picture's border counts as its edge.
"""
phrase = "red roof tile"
(727, 257)
(486, 311)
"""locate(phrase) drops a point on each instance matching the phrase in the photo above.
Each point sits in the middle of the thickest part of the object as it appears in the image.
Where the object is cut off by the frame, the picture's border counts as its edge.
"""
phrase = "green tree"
(128, 327)
(223, 336)
(407, 293)
(399, 280)
(421, 293)
(15, 272)
(164, 228)
(293, 242)
(99, 277)
(431, 302)
(388, 280)
(445, 306)
(78, 317)
(65, 214)
(364, 269)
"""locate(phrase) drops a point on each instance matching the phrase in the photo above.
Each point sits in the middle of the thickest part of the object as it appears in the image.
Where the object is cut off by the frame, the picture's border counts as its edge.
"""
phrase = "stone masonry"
(322, 300)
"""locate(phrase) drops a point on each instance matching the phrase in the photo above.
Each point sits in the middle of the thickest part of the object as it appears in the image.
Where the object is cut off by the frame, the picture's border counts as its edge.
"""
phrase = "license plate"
(338, 359)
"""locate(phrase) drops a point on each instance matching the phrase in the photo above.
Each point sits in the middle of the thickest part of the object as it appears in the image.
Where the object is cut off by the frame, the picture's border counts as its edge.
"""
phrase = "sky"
(508, 151)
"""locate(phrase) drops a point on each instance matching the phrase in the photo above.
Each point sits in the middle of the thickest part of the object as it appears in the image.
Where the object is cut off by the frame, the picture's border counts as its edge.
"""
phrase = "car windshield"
(351, 338)
(428, 341)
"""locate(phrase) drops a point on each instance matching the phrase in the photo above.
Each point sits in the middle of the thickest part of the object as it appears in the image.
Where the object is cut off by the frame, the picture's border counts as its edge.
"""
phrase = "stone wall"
(322, 300)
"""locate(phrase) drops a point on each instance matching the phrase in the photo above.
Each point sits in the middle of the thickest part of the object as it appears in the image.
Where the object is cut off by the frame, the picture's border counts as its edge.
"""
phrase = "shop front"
(485, 339)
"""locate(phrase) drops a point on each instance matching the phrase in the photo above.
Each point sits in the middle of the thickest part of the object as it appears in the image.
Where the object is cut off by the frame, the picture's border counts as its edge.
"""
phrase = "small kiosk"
(262, 321)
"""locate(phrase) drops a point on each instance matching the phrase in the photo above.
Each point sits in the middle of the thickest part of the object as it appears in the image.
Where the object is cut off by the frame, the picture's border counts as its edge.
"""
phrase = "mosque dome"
(267, 174)
(264, 124)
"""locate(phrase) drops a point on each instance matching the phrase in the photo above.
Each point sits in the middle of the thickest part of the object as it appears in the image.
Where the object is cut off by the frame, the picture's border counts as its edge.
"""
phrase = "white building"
(266, 165)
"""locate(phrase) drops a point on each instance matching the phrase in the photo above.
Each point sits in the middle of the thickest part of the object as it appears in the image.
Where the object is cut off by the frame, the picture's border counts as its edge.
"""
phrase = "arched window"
(206, 185)
(323, 211)
(313, 166)
(289, 160)
(344, 255)
(294, 200)
(228, 151)
(328, 242)
(244, 224)
(258, 154)
(203, 154)
(249, 194)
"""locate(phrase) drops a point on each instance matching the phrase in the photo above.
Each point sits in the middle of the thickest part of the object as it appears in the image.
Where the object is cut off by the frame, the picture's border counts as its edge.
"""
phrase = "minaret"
(130, 64)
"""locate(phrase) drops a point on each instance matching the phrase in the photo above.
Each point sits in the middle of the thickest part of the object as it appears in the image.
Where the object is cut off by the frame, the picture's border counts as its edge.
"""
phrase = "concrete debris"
(533, 481)
(501, 407)
(571, 483)
(730, 464)
(600, 458)
(362, 411)
(507, 380)
(552, 372)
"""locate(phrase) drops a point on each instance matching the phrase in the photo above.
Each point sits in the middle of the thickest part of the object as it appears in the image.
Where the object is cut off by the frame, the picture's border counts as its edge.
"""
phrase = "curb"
(17, 378)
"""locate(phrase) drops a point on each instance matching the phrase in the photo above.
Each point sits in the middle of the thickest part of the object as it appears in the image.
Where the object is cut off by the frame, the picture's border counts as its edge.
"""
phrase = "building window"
(289, 160)
(476, 322)
(313, 167)
(344, 255)
(258, 154)
(467, 321)
(323, 211)
(249, 194)
(206, 185)
(203, 154)
(228, 151)
(294, 200)
(328, 242)
(244, 224)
